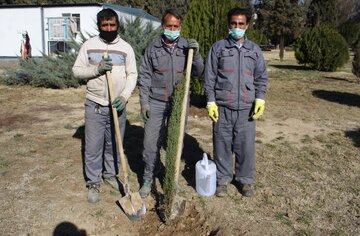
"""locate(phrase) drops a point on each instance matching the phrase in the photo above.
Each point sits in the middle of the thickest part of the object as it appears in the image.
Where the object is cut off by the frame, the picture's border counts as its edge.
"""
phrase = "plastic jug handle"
(205, 161)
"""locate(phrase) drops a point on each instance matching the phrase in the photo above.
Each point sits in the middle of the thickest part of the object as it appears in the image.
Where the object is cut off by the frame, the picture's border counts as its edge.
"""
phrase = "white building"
(50, 26)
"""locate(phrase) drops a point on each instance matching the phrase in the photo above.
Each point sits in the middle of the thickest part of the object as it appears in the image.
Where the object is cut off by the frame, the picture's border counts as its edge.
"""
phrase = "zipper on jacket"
(239, 82)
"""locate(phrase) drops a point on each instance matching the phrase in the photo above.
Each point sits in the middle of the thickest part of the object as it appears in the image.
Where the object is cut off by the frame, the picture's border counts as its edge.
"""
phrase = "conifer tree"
(356, 61)
(321, 13)
(138, 35)
(206, 21)
(281, 19)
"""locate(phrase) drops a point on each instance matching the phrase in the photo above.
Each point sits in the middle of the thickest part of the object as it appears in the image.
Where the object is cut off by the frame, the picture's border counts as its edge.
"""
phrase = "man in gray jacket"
(161, 69)
(91, 65)
(235, 85)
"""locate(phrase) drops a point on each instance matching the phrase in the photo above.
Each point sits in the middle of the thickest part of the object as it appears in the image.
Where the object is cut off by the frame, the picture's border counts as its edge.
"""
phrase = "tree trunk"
(282, 47)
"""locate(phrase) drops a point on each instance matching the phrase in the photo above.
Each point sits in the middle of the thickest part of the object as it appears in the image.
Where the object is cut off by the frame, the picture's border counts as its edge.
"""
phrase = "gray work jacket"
(160, 70)
(234, 77)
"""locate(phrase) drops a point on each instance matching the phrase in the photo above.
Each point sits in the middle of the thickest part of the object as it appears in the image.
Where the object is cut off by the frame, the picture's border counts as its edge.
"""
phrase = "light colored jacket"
(124, 72)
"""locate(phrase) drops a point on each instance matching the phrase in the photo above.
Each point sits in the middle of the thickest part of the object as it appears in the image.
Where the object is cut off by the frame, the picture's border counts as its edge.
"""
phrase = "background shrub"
(321, 48)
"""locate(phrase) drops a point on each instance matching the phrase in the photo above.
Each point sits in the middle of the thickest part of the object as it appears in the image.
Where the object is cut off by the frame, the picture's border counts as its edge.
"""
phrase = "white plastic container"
(205, 177)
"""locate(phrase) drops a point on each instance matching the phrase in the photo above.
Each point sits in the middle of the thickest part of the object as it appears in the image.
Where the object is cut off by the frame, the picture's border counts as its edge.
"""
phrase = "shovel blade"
(132, 206)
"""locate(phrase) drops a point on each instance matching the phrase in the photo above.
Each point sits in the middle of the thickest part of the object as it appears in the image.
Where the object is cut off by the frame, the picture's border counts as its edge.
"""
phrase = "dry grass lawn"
(308, 163)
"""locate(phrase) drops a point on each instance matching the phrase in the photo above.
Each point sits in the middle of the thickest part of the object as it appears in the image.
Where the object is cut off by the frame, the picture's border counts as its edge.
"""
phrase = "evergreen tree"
(322, 48)
(321, 13)
(280, 19)
(206, 21)
(138, 35)
(157, 7)
(356, 61)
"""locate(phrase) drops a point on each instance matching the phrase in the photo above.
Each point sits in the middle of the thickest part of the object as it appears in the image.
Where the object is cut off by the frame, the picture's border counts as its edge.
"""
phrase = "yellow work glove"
(258, 109)
(213, 111)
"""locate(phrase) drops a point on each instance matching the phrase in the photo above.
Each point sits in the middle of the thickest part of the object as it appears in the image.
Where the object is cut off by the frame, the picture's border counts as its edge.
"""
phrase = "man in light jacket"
(91, 65)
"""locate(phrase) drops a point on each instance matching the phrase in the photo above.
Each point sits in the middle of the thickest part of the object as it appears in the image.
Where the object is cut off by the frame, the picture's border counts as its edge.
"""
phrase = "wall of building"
(34, 20)
(13, 22)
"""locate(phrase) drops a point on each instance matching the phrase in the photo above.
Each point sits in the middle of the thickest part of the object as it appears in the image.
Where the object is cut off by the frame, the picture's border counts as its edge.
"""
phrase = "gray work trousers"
(100, 144)
(234, 132)
(154, 131)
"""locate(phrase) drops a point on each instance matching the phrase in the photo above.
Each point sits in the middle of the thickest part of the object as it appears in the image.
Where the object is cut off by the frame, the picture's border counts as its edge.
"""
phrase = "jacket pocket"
(158, 58)
(159, 89)
(223, 92)
(250, 60)
(226, 60)
(249, 93)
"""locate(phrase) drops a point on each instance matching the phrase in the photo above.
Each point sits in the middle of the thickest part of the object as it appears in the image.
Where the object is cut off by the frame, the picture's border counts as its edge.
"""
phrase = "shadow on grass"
(132, 143)
(80, 134)
(338, 78)
(198, 101)
(338, 97)
(355, 136)
(192, 153)
(133, 147)
(291, 67)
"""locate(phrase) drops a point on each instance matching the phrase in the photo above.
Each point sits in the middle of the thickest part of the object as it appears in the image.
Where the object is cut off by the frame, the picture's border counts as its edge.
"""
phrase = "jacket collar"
(182, 43)
(246, 43)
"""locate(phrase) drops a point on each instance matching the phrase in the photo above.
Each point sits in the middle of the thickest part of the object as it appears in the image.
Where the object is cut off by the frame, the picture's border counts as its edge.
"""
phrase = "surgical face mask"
(171, 35)
(237, 33)
(108, 36)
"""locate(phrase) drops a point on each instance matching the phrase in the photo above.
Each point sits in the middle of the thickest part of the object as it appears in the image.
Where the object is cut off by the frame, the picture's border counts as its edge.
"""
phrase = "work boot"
(246, 190)
(221, 191)
(113, 182)
(93, 194)
(146, 188)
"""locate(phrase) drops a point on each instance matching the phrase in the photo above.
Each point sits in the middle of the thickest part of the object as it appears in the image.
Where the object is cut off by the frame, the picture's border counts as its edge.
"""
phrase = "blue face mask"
(171, 35)
(237, 33)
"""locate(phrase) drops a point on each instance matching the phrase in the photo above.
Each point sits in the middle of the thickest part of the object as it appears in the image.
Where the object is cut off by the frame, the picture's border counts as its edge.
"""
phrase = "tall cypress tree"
(206, 21)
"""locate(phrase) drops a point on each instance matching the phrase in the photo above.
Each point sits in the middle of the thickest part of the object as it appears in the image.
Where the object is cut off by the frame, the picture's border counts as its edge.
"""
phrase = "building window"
(73, 22)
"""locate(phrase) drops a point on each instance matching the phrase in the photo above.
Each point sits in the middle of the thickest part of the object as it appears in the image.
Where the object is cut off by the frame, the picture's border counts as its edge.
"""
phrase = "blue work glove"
(194, 45)
(145, 112)
(105, 65)
(119, 103)
(259, 108)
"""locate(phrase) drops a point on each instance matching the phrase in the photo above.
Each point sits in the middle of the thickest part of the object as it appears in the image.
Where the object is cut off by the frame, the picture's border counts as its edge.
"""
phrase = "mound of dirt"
(191, 222)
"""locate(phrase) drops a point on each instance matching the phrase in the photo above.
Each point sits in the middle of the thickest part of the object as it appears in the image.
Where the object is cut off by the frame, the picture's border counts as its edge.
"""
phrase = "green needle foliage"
(322, 48)
(49, 71)
(171, 149)
(138, 35)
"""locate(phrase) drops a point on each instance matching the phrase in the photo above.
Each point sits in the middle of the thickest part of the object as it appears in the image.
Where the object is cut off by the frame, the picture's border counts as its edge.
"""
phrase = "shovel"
(131, 203)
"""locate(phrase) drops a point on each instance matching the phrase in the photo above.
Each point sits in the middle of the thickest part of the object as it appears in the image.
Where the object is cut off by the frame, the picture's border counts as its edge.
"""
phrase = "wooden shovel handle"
(117, 127)
(183, 114)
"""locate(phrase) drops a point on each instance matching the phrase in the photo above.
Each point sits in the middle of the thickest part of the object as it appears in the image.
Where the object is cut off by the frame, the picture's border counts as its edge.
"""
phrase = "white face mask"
(171, 35)
(237, 33)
